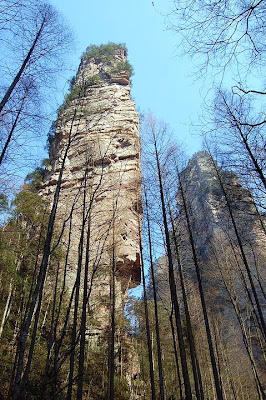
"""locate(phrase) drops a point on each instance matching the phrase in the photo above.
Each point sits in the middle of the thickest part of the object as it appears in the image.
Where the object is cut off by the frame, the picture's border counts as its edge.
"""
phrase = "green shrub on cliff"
(122, 66)
(104, 52)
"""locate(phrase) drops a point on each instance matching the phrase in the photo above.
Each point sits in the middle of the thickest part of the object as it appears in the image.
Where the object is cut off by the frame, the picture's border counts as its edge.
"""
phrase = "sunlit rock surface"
(98, 134)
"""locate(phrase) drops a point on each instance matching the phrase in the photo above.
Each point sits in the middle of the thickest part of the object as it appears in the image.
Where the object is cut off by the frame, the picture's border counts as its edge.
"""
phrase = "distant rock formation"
(97, 132)
(223, 274)
(210, 219)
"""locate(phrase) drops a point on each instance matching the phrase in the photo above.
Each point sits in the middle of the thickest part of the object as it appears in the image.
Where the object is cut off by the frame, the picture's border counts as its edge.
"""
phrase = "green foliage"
(122, 66)
(170, 375)
(51, 136)
(72, 82)
(122, 391)
(34, 179)
(76, 92)
(96, 376)
(104, 52)
(21, 243)
(3, 202)
(93, 80)
(46, 162)
(29, 205)
(8, 253)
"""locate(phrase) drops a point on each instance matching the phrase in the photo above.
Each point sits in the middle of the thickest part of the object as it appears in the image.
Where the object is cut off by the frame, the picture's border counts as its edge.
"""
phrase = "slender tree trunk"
(77, 294)
(157, 329)
(33, 277)
(245, 338)
(58, 312)
(259, 386)
(176, 356)
(229, 376)
(58, 362)
(2, 155)
(259, 279)
(241, 248)
(260, 218)
(25, 376)
(111, 347)
(51, 340)
(23, 67)
(7, 307)
(202, 297)
(84, 315)
(243, 280)
(192, 347)
(172, 283)
(147, 322)
(42, 273)
(255, 163)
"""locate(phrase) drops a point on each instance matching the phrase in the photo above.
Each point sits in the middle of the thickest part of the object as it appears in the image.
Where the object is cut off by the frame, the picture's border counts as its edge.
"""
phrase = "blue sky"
(162, 81)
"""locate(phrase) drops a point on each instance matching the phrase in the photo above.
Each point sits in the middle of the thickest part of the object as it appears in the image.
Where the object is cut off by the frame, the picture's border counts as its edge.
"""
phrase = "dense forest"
(127, 269)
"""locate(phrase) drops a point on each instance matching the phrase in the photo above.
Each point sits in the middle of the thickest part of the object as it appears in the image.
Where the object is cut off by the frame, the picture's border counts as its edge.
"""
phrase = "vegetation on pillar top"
(112, 57)
(106, 53)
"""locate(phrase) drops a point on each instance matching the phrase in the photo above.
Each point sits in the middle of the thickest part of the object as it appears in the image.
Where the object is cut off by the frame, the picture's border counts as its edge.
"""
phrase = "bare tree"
(41, 274)
(35, 42)
(154, 286)
(224, 32)
(155, 131)
(226, 38)
(111, 343)
(202, 295)
(147, 323)
(193, 353)
(241, 248)
(238, 137)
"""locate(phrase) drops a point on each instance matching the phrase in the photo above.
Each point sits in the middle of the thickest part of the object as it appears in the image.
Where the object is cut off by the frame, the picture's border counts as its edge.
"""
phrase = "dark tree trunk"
(41, 276)
(193, 353)
(176, 356)
(83, 317)
(111, 347)
(147, 322)
(157, 329)
(255, 163)
(202, 297)
(241, 248)
(2, 155)
(77, 295)
(22, 68)
(172, 283)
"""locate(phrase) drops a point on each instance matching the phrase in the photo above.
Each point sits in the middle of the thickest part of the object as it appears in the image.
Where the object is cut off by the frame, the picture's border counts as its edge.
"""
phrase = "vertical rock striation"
(101, 176)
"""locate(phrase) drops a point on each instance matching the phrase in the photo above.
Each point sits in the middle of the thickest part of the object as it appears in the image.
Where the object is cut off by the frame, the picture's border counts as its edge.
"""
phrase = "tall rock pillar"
(97, 133)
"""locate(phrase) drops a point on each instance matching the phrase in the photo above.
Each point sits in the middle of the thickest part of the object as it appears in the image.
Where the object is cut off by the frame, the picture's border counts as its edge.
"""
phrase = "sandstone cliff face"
(101, 177)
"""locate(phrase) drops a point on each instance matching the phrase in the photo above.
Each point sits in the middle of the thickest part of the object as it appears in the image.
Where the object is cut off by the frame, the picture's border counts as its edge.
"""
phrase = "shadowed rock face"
(213, 233)
(223, 273)
(101, 178)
